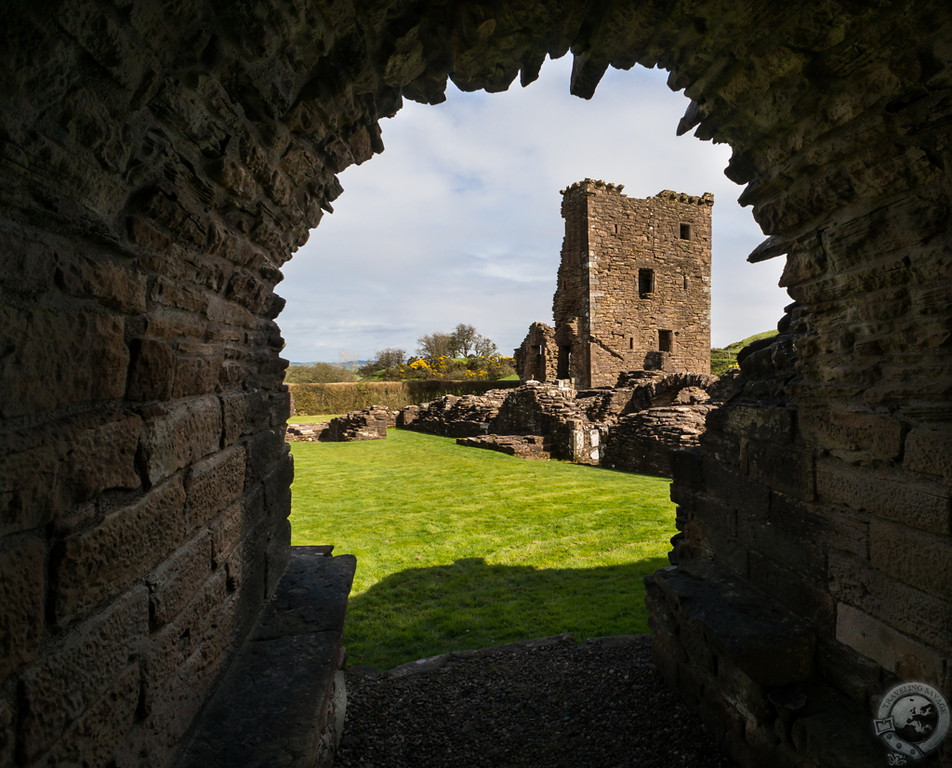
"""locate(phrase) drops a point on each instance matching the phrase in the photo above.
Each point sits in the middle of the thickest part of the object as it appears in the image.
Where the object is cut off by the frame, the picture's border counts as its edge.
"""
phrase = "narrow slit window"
(685, 231)
(665, 341)
(631, 342)
(645, 281)
(685, 282)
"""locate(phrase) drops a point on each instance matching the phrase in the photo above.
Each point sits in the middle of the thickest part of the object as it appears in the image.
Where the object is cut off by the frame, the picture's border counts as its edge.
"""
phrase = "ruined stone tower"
(634, 289)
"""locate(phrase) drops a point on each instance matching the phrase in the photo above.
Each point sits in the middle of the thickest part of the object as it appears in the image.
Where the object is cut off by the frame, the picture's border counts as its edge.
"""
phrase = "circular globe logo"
(912, 720)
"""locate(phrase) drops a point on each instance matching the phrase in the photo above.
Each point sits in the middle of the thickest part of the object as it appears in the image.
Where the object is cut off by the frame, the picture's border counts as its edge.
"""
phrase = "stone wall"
(634, 287)
(537, 358)
(162, 161)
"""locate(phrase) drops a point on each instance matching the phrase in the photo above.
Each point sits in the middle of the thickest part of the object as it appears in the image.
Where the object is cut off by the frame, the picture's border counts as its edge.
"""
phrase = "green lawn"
(465, 548)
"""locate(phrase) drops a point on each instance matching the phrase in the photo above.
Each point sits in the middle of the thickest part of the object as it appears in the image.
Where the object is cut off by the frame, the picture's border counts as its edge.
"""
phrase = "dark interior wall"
(162, 161)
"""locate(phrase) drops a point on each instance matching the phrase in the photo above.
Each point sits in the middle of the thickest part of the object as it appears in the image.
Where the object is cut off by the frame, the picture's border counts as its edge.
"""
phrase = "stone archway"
(162, 162)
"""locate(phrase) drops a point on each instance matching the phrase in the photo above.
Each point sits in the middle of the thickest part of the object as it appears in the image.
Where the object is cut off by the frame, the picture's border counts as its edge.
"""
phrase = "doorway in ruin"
(466, 224)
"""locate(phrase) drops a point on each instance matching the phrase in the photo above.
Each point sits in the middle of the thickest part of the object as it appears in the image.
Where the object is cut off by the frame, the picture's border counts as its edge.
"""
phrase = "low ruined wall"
(342, 397)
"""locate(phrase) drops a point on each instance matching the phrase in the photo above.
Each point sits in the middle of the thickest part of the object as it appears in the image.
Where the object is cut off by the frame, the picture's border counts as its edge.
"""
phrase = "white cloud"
(458, 220)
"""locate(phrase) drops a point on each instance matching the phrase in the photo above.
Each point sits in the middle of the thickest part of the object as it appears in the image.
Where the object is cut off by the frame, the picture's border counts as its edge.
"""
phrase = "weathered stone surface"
(173, 584)
(214, 483)
(178, 434)
(22, 582)
(643, 442)
(103, 561)
(886, 493)
(84, 352)
(89, 668)
(890, 648)
(46, 469)
(744, 625)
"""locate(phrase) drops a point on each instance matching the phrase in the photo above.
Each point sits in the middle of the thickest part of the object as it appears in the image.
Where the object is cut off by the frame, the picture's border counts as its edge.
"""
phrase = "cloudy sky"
(458, 220)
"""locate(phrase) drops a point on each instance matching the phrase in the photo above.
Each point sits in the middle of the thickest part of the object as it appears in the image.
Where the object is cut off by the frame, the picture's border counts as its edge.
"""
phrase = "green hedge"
(341, 397)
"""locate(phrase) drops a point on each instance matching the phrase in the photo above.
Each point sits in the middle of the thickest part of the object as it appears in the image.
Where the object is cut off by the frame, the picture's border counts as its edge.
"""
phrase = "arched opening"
(163, 162)
(458, 220)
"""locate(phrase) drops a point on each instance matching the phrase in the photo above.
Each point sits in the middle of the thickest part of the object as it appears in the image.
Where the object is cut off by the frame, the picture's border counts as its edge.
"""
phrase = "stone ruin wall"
(537, 358)
(161, 162)
(634, 283)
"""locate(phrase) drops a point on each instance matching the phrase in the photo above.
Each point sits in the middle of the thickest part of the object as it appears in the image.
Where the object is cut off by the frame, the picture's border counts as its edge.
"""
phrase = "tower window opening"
(645, 281)
(685, 231)
(665, 341)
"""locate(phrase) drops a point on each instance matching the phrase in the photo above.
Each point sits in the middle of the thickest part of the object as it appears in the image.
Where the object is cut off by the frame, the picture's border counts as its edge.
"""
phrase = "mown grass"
(465, 548)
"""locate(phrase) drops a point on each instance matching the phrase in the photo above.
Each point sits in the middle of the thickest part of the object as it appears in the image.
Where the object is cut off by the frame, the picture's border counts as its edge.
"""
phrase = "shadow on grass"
(421, 612)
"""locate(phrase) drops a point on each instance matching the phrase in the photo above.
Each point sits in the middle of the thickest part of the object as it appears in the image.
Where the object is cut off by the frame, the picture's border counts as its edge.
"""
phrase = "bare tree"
(435, 345)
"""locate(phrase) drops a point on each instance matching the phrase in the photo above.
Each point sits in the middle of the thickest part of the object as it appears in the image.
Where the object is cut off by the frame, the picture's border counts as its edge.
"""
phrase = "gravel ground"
(543, 703)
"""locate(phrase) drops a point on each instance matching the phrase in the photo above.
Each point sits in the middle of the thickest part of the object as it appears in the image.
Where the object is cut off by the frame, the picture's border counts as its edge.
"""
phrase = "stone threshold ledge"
(281, 703)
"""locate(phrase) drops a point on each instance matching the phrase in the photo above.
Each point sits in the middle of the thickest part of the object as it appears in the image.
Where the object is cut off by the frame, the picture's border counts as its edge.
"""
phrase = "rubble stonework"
(369, 423)
(162, 161)
(632, 428)
(634, 288)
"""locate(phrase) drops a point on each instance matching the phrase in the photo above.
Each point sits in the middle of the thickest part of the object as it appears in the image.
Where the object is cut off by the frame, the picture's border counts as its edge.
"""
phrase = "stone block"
(230, 526)
(95, 565)
(29, 263)
(750, 497)
(94, 737)
(275, 701)
(822, 526)
(214, 483)
(687, 469)
(116, 285)
(264, 450)
(764, 640)
(838, 736)
(804, 595)
(46, 469)
(22, 600)
(919, 559)
(767, 423)
(277, 488)
(181, 663)
(67, 683)
(195, 375)
(280, 408)
(32, 482)
(8, 723)
(150, 372)
(194, 629)
(924, 617)
(788, 469)
(929, 451)
(72, 357)
(178, 434)
(853, 674)
(885, 493)
(888, 647)
(174, 583)
(100, 451)
(851, 435)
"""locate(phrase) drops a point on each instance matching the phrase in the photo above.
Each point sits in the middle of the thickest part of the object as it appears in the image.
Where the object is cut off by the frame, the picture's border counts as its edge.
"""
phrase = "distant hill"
(722, 359)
